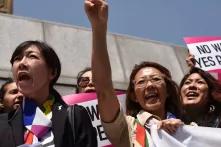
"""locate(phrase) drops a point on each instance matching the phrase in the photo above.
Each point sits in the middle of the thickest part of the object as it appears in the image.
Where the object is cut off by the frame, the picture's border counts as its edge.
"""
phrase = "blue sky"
(162, 20)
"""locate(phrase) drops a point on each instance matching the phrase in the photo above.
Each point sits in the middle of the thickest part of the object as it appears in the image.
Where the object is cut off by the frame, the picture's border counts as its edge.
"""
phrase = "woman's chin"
(25, 91)
(153, 106)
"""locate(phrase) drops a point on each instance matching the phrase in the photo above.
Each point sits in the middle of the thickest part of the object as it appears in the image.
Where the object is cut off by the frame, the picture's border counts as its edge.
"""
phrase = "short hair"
(3, 90)
(86, 69)
(172, 103)
(50, 56)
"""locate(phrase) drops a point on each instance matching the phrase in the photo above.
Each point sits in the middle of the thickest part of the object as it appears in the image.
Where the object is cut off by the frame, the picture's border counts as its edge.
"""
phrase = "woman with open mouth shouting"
(200, 96)
(152, 96)
(43, 119)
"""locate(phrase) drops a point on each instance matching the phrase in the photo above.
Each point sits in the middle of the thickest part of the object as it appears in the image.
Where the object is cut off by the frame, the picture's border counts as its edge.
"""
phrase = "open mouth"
(23, 76)
(18, 103)
(192, 94)
(152, 95)
(89, 91)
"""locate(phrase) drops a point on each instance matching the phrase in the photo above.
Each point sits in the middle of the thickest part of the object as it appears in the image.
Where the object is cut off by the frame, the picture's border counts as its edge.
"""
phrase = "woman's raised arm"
(97, 12)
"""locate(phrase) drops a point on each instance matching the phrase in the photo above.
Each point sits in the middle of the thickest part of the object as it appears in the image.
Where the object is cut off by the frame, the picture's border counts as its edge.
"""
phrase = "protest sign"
(207, 52)
(89, 101)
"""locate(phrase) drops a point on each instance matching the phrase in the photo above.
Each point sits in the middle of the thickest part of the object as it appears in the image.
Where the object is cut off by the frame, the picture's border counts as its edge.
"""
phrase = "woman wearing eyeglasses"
(152, 96)
(84, 81)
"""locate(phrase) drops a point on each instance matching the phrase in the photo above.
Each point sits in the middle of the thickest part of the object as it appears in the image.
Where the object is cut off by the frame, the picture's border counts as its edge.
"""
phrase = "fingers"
(92, 3)
(99, 6)
(190, 60)
(170, 125)
(97, 12)
(88, 5)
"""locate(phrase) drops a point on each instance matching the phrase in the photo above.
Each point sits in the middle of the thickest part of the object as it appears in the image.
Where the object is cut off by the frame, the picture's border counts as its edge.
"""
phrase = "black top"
(210, 118)
(12, 129)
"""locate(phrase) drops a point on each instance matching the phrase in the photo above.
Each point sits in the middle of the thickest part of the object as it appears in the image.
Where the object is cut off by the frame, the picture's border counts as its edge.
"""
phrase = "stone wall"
(73, 45)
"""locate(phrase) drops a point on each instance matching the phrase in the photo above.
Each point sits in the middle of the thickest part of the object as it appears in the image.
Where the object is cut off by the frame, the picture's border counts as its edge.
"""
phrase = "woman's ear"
(52, 74)
(133, 97)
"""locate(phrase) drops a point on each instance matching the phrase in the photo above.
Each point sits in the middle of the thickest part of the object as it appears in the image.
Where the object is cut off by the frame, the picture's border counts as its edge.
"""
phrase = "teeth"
(152, 94)
(192, 93)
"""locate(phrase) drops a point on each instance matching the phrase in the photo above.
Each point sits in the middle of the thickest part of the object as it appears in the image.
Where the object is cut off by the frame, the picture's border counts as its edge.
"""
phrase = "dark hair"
(50, 56)
(86, 69)
(213, 84)
(211, 116)
(172, 104)
(3, 90)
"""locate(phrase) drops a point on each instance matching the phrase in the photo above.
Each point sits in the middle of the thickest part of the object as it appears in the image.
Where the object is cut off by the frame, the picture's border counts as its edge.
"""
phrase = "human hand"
(97, 12)
(190, 60)
(170, 125)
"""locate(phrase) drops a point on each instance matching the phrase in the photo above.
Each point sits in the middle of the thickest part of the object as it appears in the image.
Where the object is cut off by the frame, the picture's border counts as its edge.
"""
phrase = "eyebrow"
(24, 53)
(29, 52)
(195, 79)
(152, 76)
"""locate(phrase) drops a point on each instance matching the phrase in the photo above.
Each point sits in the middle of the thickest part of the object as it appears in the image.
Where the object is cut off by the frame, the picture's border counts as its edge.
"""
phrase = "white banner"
(187, 136)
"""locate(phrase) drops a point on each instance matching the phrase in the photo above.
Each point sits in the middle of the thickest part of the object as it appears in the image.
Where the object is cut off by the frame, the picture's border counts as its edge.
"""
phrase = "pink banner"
(82, 97)
(79, 98)
(190, 40)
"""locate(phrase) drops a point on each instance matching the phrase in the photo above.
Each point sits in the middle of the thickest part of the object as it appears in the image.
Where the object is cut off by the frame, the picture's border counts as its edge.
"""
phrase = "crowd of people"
(33, 112)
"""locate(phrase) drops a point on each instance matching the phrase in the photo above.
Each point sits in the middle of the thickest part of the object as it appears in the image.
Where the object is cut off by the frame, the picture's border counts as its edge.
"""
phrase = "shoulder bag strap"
(71, 119)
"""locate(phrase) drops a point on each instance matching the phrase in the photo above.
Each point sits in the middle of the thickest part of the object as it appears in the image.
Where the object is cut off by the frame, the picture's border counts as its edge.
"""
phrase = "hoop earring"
(212, 108)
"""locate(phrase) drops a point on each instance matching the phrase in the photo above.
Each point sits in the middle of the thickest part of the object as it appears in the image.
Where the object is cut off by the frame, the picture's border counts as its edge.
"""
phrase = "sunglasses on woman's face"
(83, 82)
